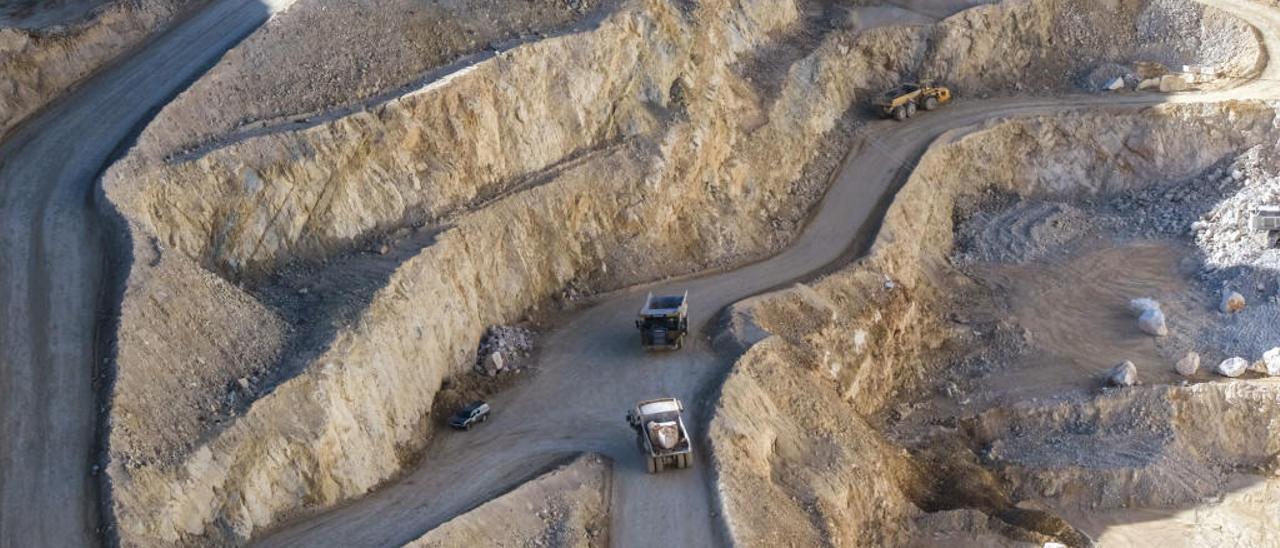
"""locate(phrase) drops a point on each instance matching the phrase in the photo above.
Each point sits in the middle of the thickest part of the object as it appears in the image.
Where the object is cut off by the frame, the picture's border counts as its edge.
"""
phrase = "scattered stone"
(1117, 83)
(1152, 323)
(1123, 374)
(1188, 365)
(1233, 367)
(502, 349)
(1232, 302)
(243, 382)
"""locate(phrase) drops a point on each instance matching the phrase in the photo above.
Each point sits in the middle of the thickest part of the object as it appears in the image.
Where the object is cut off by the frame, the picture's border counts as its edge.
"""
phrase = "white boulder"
(1271, 362)
(1233, 367)
(1123, 374)
(1152, 322)
(1188, 365)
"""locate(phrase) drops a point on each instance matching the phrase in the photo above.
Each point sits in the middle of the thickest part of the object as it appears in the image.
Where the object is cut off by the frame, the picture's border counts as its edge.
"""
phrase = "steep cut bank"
(479, 201)
(848, 357)
(42, 55)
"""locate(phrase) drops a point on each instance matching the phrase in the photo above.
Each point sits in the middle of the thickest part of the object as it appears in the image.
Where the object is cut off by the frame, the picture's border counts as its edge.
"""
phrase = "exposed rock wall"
(658, 160)
(850, 343)
(41, 64)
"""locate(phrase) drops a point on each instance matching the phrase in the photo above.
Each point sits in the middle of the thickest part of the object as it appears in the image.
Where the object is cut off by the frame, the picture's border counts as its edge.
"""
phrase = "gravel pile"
(504, 348)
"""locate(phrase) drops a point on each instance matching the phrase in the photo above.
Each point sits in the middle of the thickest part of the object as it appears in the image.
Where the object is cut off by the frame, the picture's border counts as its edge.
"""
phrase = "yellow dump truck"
(902, 102)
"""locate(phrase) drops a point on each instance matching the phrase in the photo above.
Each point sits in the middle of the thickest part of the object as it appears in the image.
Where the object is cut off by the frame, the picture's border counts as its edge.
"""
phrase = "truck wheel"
(911, 109)
(658, 465)
(930, 103)
(683, 462)
(651, 465)
(484, 418)
(679, 343)
(900, 113)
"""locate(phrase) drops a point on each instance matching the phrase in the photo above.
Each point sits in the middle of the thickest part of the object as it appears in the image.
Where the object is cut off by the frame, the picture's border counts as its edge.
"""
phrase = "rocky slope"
(42, 62)
(588, 161)
(568, 506)
(862, 341)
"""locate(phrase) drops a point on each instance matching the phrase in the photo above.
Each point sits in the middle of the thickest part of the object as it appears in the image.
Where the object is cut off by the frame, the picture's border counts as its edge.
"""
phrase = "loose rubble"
(1232, 302)
(503, 349)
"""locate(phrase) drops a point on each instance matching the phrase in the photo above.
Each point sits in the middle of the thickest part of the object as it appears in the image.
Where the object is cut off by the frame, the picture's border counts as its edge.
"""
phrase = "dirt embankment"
(593, 160)
(40, 61)
(868, 343)
(568, 506)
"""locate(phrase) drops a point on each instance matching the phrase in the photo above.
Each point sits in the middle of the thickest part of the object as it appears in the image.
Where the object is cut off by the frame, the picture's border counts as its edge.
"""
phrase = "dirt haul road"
(593, 368)
(51, 274)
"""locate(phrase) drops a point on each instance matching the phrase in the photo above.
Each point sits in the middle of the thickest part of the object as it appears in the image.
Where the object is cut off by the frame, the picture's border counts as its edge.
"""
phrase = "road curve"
(52, 262)
(592, 368)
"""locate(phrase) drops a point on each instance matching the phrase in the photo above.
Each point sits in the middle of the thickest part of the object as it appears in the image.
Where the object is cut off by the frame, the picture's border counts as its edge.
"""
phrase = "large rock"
(1173, 82)
(1188, 365)
(1123, 374)
(1233, 367)
(1232, 302)
(1152, 322)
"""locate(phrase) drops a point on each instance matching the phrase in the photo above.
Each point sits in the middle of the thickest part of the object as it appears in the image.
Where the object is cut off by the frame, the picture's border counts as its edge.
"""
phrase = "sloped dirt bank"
(41, 61)
(469, 202)
(872, 359)
(568, 506)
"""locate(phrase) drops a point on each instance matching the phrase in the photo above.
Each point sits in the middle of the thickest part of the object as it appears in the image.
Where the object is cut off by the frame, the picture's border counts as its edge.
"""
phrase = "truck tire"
(930, 103)
(900, 114)
(680, 342)
(658, 465)
(651, 465)
(911, 109)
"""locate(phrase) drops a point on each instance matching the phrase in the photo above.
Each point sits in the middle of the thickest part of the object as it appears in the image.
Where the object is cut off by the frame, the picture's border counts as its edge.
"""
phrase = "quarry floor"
(56, 280)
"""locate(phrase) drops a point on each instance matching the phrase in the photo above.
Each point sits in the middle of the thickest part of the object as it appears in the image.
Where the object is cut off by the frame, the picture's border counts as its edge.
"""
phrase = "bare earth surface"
(52, 267)
(52, 276)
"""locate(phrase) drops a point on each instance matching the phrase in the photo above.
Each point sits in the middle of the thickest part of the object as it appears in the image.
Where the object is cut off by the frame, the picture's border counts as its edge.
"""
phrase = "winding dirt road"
(593, 368)
(52, 263)
(51, 278)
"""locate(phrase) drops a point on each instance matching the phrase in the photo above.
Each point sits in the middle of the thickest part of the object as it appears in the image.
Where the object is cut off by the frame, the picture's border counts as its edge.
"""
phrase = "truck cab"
(663, 321)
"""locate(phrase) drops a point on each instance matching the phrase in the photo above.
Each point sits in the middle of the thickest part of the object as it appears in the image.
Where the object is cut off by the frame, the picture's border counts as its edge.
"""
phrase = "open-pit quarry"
(255, 253)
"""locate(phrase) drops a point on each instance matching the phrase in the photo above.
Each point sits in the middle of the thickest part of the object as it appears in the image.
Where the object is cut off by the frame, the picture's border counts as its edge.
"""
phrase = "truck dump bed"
(664, 305)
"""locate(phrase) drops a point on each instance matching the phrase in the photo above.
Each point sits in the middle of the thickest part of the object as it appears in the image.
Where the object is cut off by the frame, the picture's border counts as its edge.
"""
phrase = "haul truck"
(901, 102)
(663, 321)
(661, 434)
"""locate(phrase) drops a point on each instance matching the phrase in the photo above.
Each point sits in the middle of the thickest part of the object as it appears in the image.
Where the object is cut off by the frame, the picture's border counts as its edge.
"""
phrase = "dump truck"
(661, 434)
(1267, 219)
(663, 321)
(902, 102)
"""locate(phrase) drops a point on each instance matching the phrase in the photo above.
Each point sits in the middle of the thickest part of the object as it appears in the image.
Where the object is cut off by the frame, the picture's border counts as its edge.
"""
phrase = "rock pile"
(503, 348)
